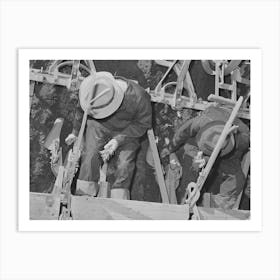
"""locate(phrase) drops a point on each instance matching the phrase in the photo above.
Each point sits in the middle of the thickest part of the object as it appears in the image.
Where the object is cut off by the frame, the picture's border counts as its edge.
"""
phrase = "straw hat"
(208, 137)
(96, 84)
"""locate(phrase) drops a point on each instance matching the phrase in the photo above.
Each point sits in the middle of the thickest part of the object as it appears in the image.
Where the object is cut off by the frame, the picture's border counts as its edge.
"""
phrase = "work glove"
(109, 149)
(174, 161)
(70, 139)
(199, 161)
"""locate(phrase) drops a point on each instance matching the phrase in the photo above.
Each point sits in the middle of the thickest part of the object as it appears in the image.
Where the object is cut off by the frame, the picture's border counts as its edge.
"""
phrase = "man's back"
(136, 105)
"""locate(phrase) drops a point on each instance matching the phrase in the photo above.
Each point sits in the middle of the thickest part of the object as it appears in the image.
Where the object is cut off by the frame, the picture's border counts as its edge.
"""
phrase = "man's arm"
(187, 130)
(141, 123)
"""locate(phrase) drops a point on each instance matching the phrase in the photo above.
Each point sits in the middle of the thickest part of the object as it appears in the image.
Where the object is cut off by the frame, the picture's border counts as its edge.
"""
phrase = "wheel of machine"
(209, 66)
(70, 63)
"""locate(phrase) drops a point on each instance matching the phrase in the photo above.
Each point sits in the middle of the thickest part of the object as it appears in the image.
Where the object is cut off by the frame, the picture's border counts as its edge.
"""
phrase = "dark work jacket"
(132, 119)
(188, 131)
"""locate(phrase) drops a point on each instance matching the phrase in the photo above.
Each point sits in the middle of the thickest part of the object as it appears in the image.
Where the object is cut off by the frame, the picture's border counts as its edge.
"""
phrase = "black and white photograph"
(140, 139)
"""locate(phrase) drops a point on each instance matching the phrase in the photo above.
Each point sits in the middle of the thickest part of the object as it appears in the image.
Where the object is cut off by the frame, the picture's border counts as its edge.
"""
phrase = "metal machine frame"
(176, 99)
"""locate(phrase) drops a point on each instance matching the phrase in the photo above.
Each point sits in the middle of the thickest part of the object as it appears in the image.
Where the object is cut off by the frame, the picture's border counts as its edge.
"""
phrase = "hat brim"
(207, 146)
(87, 87)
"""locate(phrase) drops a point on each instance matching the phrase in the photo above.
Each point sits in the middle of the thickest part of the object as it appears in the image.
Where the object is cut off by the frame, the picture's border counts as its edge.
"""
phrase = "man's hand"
(174, 161)
(112, 145)
(109, 149)
(70, 139)
(199, 161)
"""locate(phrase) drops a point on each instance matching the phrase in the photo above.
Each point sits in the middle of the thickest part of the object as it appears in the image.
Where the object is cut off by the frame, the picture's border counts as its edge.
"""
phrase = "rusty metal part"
(191, 101)
(159, 85)
(199, 105)
(177, 69)
(55, 76)
(184, 80)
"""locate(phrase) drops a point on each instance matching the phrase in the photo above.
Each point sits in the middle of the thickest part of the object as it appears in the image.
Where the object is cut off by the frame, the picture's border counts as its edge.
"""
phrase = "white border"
(254, 224)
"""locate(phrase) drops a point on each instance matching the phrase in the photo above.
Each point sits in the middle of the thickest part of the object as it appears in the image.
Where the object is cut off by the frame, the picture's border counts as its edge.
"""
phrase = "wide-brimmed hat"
(208, 137)
(111, 94)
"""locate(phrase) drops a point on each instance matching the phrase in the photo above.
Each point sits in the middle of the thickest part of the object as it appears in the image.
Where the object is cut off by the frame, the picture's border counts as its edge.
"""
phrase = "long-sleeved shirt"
(132, 119)
(188, 131)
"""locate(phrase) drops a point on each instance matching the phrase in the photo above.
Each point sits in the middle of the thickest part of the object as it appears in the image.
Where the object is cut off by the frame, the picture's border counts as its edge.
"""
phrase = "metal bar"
(158, 87)
(199, 105)
(180, 81)
(74, 75)
(234, 85)
(226, 86)
(221, 100)
(54, 65)
(91, 66)
(177, 69)
(192, 93)
(217, 74)
(62, 80)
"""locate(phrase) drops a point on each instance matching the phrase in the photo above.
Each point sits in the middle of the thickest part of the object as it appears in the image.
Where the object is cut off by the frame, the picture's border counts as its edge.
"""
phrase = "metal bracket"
(178, 101)
(55, 76)
(184, 80)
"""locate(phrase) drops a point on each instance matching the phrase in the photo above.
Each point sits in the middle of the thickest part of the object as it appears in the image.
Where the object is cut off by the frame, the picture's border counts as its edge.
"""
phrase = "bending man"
(116, 121)
(199, 137)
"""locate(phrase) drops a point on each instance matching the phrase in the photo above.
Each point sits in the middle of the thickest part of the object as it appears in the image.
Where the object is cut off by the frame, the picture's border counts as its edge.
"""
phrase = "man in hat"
(199, 137)
(116, 121)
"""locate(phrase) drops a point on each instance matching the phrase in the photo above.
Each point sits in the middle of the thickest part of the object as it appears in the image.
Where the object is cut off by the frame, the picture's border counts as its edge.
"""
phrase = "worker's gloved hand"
(70, 139)
(198, 161)
(174, 161)
(112, 145)
(109, 149)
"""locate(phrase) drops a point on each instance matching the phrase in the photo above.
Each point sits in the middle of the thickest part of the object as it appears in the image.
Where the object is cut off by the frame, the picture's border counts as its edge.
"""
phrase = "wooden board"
(44, 206)
(86, 208)
(221, 214)
(158, 168)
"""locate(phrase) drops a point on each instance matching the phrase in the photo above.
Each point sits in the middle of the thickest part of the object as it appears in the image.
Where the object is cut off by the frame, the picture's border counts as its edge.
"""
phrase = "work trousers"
(96, 137)
(225, 182)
